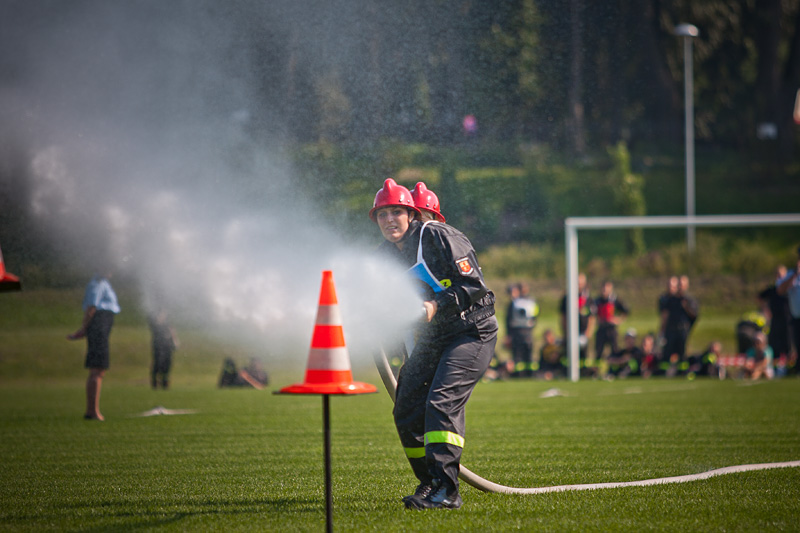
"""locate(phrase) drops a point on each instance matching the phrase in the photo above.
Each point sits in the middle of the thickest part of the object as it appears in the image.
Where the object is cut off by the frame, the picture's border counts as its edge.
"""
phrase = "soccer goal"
(573, 224)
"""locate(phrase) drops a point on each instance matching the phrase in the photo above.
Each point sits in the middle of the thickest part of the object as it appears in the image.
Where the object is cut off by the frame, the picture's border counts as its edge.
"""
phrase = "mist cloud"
(147, 138)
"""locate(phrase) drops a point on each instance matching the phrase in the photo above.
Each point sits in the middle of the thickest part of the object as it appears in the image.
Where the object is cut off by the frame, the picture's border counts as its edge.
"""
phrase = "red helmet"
(392, 194)
(425, 199)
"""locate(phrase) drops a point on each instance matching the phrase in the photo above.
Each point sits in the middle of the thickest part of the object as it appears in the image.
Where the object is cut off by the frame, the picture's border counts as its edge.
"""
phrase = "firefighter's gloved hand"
(583, 341)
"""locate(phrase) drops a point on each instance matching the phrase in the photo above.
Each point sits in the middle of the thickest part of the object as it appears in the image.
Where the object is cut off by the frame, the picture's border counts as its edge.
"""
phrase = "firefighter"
(453, 346)
(427, 202)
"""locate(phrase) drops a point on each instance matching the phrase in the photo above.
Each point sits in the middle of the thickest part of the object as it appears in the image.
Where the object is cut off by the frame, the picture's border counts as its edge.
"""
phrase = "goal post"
(573, 224)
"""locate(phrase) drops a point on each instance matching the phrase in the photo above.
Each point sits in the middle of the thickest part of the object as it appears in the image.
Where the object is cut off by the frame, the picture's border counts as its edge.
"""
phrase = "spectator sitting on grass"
(706, 363)
(628, 360)
(749, 324)
(651, 358)
(759, 359)
(499, 368)
(550, 355)
(253, 375)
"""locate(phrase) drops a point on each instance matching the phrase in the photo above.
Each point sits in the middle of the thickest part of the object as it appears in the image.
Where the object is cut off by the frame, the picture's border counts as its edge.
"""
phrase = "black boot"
(422, 491)
(441, 497)
(420, 467)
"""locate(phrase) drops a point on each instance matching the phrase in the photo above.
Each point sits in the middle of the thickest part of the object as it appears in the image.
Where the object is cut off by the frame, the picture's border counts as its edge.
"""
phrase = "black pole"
(326, 423)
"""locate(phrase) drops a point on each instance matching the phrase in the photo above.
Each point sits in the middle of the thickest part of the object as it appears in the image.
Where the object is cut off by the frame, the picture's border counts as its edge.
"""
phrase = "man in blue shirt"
(789, 286)
(99, 307)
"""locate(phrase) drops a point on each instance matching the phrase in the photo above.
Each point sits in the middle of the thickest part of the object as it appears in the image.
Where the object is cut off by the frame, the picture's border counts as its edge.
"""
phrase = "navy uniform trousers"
(432, 392)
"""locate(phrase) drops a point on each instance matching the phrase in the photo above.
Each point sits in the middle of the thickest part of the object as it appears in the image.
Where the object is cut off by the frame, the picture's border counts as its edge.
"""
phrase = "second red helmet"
(425, 199)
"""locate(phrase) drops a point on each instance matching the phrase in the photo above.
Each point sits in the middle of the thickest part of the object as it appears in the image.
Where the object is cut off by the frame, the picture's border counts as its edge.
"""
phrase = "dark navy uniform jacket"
(464, 300)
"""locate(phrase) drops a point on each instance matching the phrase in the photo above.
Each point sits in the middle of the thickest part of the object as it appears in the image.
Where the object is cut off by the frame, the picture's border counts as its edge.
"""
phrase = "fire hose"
(473, 479)
(465, 474)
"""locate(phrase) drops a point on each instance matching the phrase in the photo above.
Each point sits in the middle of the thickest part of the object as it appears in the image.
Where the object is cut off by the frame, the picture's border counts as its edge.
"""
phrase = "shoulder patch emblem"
(464, 266)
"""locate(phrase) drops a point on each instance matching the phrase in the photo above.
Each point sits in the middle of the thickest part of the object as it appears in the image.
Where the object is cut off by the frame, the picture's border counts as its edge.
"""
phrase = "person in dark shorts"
(100, 305)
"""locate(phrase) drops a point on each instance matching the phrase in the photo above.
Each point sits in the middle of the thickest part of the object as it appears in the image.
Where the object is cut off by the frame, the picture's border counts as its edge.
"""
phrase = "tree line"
(571, 92)
(572, 74)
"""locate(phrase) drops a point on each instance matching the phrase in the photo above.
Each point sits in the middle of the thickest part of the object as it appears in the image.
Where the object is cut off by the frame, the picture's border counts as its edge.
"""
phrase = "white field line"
(646, 482)
(677, 387)
(155, 411)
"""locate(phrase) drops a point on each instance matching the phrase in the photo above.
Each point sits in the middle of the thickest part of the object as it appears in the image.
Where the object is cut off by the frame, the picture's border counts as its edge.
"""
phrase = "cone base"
(355, 387)
(8, 284)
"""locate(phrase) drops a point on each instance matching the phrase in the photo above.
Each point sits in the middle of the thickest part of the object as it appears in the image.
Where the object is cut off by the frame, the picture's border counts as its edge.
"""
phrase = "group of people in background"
(767, 339)
(770, 336)
(100, 306)
(600, 315)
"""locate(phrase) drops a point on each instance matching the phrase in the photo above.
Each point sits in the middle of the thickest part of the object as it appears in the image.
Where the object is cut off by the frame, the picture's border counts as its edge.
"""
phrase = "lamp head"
(686, 30)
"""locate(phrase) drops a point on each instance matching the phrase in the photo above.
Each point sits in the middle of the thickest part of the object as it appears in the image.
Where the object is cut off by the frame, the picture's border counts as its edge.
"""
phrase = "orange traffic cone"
(8, 281)
(328, 370)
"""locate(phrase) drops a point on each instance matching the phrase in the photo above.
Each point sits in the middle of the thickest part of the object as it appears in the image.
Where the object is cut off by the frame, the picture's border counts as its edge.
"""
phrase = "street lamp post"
(688, 32)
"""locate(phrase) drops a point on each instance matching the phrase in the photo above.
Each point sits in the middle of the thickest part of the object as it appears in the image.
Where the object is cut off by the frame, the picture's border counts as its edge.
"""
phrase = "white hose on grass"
(473, 479)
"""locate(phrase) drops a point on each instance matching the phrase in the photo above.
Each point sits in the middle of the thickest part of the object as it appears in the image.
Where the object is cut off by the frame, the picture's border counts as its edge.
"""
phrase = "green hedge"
(749, 260)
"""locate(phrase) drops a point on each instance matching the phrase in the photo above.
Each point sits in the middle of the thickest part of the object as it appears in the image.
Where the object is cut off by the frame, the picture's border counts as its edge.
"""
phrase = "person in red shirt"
(611, 312)
(586, 318)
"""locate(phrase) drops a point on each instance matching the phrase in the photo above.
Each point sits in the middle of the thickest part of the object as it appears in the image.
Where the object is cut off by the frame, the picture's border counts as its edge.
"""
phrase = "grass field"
(249, 460)
(252, 461)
